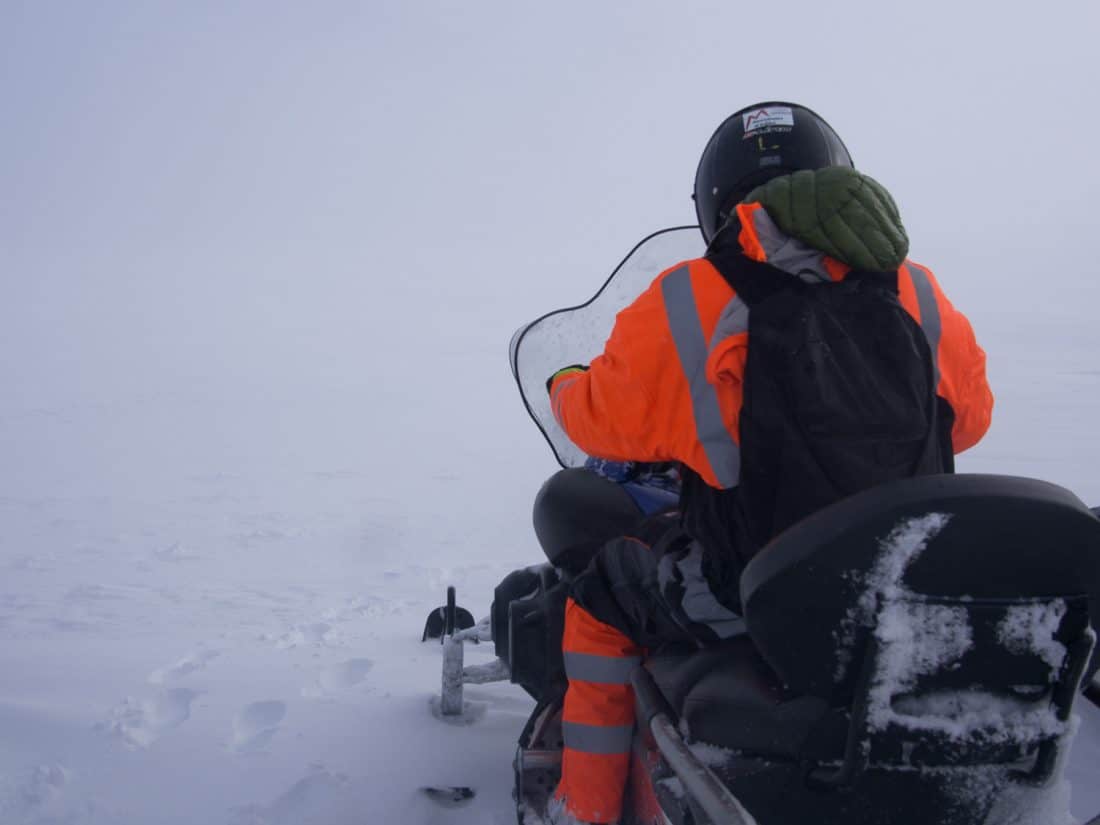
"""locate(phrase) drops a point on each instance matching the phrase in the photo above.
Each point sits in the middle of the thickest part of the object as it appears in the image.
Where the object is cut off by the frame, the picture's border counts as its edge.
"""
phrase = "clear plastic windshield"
(576, 335)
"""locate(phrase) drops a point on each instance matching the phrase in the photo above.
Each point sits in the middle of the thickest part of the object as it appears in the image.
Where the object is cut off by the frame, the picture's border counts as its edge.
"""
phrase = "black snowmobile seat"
(726, 695)
(993, 548)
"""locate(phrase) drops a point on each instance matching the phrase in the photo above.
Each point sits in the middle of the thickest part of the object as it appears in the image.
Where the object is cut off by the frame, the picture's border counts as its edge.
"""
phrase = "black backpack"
(839, 396)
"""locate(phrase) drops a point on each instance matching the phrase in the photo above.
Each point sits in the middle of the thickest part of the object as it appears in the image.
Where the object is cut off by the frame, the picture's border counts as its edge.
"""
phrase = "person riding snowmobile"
(802, 359)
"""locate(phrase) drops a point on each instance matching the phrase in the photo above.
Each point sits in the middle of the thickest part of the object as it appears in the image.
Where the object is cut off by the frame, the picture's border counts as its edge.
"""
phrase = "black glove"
(564, 371)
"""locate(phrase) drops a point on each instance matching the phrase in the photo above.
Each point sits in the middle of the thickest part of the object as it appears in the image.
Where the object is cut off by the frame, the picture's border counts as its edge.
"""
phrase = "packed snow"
(915, 639)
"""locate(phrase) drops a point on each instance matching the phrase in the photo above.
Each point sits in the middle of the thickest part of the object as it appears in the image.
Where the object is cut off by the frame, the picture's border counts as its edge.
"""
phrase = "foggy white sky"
(285, 199)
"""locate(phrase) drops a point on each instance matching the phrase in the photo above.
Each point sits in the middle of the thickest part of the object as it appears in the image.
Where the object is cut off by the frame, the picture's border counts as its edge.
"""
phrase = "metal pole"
(450, 703)
(705, 788)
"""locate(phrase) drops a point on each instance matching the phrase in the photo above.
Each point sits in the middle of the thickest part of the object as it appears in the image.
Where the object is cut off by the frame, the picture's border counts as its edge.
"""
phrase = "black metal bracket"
(857, 745)
(1062, 697)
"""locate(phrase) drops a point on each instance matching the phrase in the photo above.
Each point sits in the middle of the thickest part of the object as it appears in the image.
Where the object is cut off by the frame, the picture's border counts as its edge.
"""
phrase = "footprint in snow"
(187, 665)
(34, 794)
(140, 722)
(319, 797)
(255, 725)
(338, 678)
(309, 634)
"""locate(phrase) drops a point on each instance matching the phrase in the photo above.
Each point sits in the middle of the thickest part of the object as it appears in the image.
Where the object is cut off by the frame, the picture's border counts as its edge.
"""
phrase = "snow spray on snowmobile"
(912, 653)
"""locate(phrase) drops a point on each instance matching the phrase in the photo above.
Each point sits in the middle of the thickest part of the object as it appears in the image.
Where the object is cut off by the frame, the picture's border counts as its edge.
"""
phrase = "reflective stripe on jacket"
(668, 386)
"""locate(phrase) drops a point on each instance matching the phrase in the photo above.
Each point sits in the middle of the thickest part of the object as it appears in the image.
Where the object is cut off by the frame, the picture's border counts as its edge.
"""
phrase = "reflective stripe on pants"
(598, 716)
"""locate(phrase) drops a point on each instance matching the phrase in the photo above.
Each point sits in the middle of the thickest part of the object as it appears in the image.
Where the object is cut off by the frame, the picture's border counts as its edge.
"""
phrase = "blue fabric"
(654, 487)
(617, 471)
(651, 500)
(663, 476)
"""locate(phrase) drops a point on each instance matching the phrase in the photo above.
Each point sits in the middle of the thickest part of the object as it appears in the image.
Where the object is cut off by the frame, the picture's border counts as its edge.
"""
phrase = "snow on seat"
(816, 593)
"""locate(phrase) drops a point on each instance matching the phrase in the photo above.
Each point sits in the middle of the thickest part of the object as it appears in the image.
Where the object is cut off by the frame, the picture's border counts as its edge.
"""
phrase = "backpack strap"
(754, 282)
(751, 280)
(929, 312)
(887, 281)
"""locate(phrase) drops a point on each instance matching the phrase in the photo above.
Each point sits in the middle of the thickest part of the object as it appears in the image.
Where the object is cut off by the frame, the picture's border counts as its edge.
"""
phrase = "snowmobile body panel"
(956, 688)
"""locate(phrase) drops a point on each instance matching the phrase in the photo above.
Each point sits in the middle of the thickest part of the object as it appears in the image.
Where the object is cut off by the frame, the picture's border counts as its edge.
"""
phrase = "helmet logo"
(768, 118)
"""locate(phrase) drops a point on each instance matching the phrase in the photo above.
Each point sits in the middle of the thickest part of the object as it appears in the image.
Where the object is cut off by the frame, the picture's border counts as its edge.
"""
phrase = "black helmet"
(754, 145)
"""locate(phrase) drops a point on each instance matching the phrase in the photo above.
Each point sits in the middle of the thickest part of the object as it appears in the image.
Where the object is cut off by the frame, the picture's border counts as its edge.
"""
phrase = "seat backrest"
(970, 566)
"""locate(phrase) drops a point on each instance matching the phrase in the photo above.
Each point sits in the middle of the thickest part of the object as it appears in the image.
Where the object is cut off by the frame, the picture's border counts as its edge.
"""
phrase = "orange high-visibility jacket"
(641, 401)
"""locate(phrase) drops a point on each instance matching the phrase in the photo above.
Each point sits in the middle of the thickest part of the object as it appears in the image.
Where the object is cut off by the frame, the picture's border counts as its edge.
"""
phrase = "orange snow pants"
(598, 716)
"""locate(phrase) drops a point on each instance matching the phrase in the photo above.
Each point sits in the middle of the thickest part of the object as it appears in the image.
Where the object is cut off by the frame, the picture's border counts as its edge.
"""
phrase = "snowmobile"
(912, 654)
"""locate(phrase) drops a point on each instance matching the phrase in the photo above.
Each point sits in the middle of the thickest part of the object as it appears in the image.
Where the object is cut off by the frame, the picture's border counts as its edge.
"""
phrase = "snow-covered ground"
(259, 268)
(211, 595)
(210, 605)
(229, 632)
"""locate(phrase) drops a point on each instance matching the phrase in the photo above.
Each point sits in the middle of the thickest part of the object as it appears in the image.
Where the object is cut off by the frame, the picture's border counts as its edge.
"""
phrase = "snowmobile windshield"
(577, 334)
